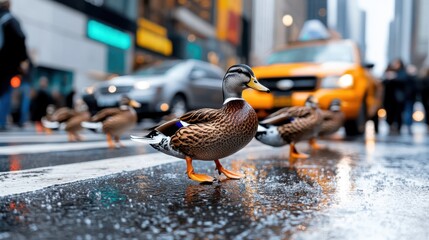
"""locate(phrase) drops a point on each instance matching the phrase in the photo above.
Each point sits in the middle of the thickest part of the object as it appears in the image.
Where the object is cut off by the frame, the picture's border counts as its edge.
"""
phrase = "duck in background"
(291, 125)
(333, 119)
(114, 121)
(210, 134)
(67, 119)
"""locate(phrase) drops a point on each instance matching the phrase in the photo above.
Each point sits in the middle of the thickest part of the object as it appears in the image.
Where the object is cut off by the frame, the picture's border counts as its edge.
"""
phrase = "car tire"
(178, 105)
(356, 127)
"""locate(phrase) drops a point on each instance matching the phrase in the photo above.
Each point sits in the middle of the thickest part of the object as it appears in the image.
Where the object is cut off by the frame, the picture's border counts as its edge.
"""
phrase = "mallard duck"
(291, 125)
(114, 121)
(68, 119)
(332, 120)
(211, 134)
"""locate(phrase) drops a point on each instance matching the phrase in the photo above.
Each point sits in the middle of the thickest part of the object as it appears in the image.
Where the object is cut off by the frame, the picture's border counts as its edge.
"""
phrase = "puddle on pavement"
(335, 194)
(273, 199)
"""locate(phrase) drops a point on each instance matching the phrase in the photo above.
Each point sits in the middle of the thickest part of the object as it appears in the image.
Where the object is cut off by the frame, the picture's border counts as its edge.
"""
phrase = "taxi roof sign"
(313, 30)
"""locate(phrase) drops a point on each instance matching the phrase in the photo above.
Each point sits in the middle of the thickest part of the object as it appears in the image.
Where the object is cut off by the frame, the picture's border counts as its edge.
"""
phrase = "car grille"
(119, 90)
(306, 83)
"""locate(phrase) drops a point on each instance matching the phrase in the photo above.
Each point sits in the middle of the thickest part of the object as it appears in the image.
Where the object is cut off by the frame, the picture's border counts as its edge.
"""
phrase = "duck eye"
(239, 70)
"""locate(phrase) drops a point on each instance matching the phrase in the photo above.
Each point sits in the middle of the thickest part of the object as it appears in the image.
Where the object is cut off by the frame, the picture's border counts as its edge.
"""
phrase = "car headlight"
(90, 90)
(142, 85)
(344, 81)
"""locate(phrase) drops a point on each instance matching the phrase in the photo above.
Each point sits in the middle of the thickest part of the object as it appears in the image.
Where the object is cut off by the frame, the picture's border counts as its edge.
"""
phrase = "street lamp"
(287, 20)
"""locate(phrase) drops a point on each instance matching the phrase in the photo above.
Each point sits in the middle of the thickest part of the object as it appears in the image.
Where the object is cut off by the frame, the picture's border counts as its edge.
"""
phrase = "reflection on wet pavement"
(351, 190)
(28, 161)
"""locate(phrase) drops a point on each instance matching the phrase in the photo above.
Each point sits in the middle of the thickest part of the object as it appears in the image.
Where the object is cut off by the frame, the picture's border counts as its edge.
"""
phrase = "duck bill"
(254, 84)
(135, 104)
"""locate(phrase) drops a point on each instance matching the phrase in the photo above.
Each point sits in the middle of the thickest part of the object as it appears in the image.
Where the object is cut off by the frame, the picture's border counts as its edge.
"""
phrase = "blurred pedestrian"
(395, 79)
(40, 103)
(25, 89)
(425, 94)
(410, 89)
(13, 53)
(70, 99)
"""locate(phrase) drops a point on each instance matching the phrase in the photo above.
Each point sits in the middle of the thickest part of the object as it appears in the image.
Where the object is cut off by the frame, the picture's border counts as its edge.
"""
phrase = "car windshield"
(338, 52)
(158, 69)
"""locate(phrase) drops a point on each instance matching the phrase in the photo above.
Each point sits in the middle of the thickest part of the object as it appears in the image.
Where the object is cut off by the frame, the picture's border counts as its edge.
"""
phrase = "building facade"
(207, 30)
(349, 21)
(66, 44)
(400, 34)
(420, 41)
(76, 43)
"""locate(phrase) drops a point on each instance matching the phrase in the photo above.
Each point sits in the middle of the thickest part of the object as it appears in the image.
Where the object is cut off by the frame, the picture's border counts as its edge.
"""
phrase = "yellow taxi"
(326, 69)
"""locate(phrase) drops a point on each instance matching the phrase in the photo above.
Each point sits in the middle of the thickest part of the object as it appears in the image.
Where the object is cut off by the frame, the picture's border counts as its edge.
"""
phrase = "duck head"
(335, 105)
(237, 78)
(312, 102)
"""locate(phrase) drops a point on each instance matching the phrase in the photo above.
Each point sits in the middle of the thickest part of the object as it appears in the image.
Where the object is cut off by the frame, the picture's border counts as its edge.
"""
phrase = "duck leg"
(313, 143)
(228, 173)
(295, 154)
(71, 137)
(118, 142)
(195, 176)
(77, 136)
(109, 141)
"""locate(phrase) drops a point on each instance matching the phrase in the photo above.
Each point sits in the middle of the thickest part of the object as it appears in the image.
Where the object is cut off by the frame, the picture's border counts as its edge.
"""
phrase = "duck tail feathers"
(153, 137)
(93, 126)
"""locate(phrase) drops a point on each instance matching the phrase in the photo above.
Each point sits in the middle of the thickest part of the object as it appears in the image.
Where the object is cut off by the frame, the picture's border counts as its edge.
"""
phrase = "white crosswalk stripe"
(54, 147)
(38, 178)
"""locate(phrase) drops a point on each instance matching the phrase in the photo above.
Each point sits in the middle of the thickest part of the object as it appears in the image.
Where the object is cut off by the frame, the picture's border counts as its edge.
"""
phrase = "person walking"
(410, 90)
(425, 94)
(13, 53)
(25, 89)
(395, 78)
(40, 103)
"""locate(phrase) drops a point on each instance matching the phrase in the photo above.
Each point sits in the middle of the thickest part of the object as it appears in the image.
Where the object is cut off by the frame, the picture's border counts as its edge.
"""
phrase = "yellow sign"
(153, 37)
(153, 27)
(154, 42)
(227, 8)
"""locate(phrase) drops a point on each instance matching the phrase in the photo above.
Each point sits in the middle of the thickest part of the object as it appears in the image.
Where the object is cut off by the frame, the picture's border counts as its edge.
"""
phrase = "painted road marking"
(39, 178)
(55, 147)
(42, 138)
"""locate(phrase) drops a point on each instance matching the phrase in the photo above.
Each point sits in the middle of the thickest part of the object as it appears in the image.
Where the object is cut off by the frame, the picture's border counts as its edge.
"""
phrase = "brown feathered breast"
(216, 133)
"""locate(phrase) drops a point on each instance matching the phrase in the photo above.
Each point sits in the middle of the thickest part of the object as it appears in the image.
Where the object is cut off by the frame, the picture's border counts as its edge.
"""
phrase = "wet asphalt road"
(353, 189)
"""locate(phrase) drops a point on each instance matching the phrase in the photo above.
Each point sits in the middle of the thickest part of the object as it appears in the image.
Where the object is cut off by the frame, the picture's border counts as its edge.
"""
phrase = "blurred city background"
(74, 44)
(366, 62)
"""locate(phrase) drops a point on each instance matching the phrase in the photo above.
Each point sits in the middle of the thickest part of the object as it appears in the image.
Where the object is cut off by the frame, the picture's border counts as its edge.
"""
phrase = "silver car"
(170, 87)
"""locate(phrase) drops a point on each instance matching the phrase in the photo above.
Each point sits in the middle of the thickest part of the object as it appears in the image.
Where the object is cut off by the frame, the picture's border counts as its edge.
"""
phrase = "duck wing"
(74, 123)
(172, 127)
(193, 117)
(105, 113)
(286, 115)
(62, 114)
(201, 115)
